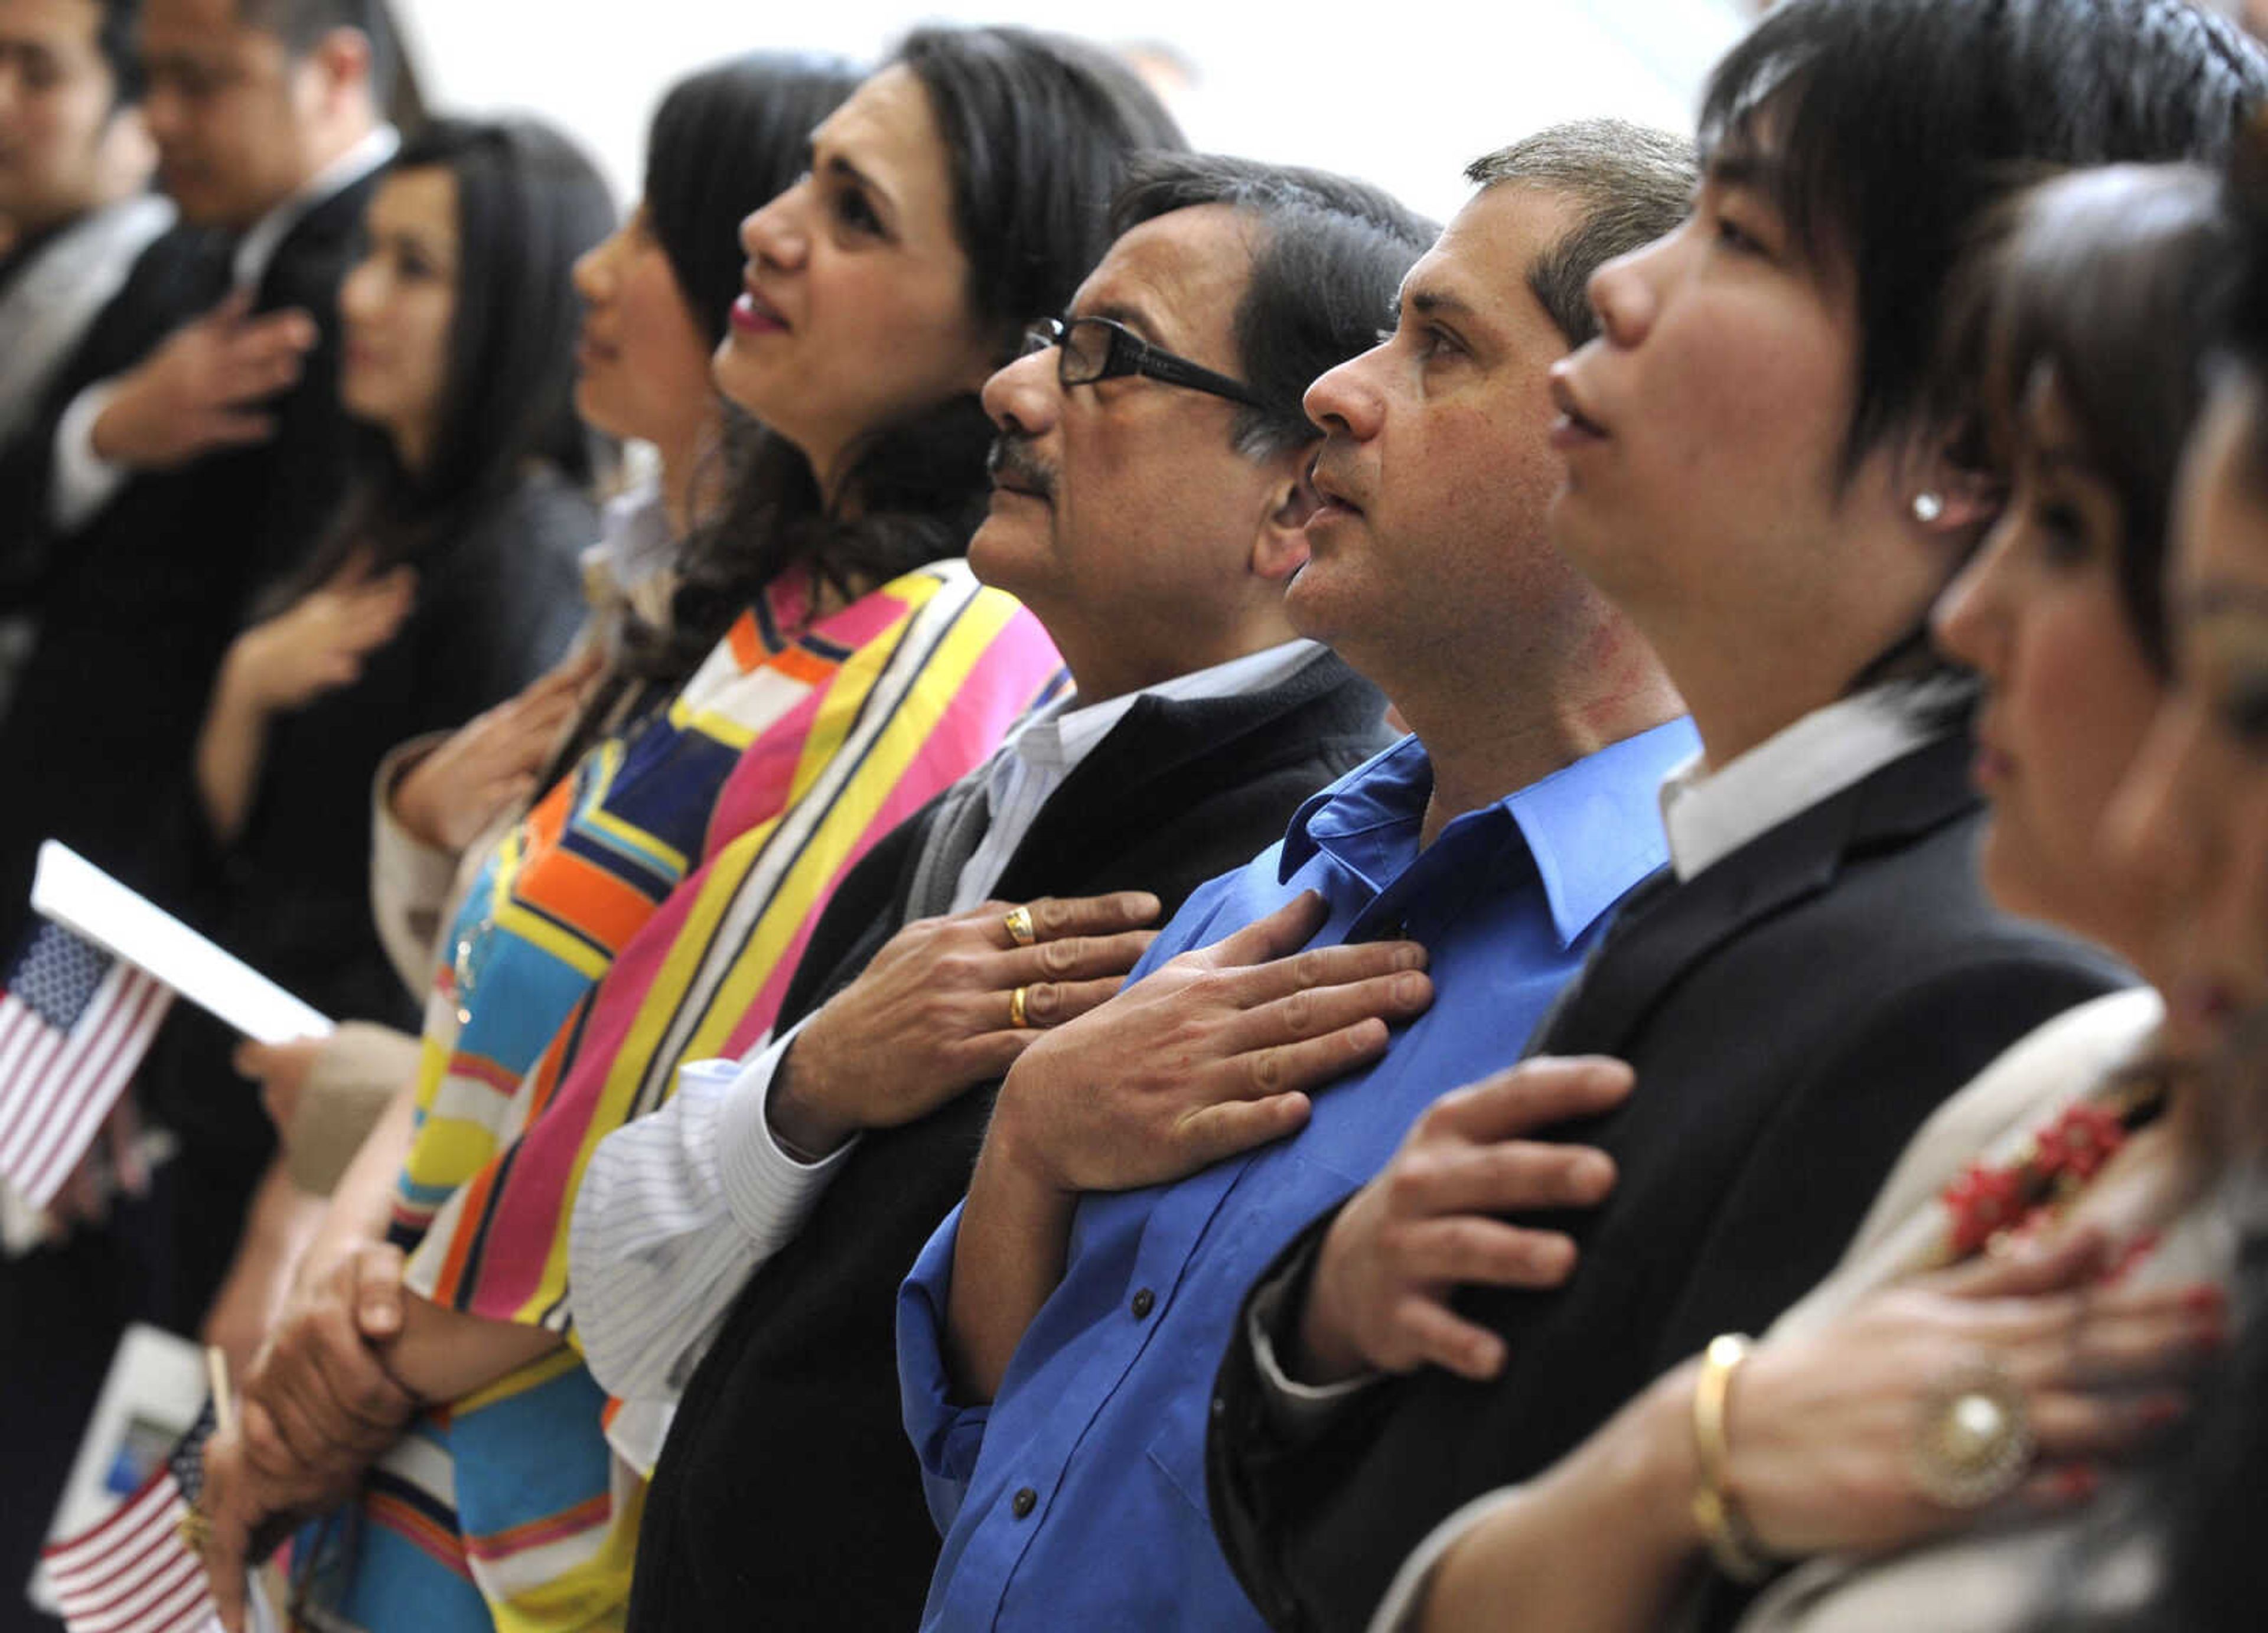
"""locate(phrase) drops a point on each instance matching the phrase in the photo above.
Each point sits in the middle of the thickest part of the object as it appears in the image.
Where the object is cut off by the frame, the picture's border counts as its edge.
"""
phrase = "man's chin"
(1002, 550)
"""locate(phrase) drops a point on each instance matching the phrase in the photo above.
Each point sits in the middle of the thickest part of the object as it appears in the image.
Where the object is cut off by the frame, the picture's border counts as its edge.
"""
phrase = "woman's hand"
(1822, 1428)
(281, 1070)
(318, 644)
(449, 797)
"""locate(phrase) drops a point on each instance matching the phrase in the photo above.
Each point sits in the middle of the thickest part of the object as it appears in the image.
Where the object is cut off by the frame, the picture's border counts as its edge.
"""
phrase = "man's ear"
(344, 59)
(1279, 548)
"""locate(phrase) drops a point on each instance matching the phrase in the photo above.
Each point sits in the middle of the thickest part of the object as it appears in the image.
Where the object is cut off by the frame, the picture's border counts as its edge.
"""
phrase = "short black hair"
(1329, 256)
(725, 141)
(114, 35)
(1630, 184)
(1039, 128)
(300, 24)
(1884, 130)
(2110, 283)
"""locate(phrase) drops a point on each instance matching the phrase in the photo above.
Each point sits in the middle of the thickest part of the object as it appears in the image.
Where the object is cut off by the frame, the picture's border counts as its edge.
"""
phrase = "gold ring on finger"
(196, 1528)
(1018, 1016)
(1974, 1440)
(1019, 921)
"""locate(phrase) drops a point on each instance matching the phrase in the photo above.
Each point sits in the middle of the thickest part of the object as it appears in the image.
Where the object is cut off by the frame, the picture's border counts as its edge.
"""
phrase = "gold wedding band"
(1017, 1016)
(1019, 921)
(196, 1528)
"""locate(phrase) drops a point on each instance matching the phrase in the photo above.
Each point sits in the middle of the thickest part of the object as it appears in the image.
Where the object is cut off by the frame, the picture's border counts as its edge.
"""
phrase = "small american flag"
(74, 1024)
(133, 1573)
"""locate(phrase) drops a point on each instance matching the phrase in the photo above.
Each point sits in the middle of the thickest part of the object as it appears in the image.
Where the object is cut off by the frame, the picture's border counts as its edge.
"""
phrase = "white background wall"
(1401, 92)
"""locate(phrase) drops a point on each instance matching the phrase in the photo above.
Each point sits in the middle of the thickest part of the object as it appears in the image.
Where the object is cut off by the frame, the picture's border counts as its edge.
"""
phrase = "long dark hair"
(2110, 283)
(1038, 130)
(724, 142)
(529, 203)
(2205, 1504)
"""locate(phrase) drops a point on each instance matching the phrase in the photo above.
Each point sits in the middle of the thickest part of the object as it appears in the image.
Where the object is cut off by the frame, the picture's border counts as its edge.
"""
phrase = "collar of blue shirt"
(1593, 828)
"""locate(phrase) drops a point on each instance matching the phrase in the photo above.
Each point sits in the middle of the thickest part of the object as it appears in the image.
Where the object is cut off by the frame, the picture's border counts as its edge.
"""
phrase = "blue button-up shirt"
(1077, 1498)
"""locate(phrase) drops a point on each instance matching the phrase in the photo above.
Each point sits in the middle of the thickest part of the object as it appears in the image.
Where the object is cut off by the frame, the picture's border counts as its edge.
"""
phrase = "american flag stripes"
(74, 1024)
(133, 1573)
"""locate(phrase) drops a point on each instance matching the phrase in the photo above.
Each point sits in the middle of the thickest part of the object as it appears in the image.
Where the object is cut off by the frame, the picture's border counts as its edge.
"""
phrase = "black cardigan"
(497, 603)
(1793, 1014)
(787, 1491)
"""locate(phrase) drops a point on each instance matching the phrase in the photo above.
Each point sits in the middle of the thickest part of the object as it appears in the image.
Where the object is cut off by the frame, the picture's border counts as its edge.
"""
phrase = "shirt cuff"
(1298, 1412)
(85, 481)
(764, 1184)
(410, 880)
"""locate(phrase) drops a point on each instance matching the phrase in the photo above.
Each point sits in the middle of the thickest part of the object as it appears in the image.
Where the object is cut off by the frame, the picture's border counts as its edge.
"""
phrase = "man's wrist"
(1321, 1350)
(794, 1109)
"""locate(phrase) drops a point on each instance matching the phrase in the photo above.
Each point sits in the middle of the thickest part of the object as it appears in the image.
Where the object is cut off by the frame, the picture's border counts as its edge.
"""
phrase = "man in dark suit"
(74, 167)
(1753, 476)
(195, 458)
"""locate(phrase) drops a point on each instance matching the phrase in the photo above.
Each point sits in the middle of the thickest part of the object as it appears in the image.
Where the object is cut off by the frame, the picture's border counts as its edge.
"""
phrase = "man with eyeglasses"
(1149, 508)
(1059, 1337)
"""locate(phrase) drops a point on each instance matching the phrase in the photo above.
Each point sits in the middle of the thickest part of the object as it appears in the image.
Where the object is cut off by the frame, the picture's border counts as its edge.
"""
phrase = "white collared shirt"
(85, 481)
(1037, 758)
(677, 1210)
(1710, 814)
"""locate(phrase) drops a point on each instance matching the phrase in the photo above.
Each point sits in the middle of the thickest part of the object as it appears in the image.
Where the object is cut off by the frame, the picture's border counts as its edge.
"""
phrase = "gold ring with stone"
(1018, 1017)
(1019, 921)
(1974, 1440)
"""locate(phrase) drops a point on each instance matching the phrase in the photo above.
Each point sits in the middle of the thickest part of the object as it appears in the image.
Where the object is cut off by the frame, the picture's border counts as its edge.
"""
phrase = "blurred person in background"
(191, 461)
(449, 582)
(848, 669)
(657, 295)
(75, 168)
(194, 460)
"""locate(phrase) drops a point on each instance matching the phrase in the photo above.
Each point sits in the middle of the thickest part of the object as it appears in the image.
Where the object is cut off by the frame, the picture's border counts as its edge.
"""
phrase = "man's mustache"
(1011, 465)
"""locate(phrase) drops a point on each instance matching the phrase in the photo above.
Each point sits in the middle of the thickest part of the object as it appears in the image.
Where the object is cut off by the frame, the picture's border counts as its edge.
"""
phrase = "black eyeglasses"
(1102, 349)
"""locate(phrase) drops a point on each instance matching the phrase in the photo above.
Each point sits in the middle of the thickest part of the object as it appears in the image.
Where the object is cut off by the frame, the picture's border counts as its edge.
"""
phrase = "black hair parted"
(529, 202)
(2107, 285)
(724, 142)
(1039, 128)
(1883, 129)
(1329, 255)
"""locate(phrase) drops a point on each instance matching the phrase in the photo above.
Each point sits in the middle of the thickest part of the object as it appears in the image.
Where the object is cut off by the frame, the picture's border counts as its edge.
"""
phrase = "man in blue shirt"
(1059, 1338)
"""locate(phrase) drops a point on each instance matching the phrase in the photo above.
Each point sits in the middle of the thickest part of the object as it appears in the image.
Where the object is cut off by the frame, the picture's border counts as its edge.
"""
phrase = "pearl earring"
(1927, 507)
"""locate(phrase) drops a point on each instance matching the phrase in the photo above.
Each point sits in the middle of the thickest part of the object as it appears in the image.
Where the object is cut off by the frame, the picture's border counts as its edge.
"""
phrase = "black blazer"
(787, 1491)
(1793, 1014)
(138, 606)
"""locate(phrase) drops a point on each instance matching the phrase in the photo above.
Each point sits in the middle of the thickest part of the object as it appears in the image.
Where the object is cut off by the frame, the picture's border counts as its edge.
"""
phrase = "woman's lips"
(752, 314)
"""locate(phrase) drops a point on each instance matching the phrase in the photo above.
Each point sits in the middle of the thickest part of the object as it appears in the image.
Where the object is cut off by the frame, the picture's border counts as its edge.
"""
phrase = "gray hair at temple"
(1632, 184)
